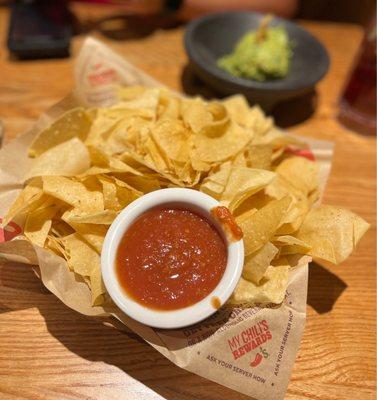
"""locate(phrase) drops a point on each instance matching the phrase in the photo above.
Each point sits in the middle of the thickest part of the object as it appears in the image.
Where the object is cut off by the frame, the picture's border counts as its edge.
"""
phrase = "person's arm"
(194, 8)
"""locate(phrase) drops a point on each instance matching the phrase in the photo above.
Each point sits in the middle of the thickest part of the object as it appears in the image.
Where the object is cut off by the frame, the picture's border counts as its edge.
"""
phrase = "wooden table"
(48, 351)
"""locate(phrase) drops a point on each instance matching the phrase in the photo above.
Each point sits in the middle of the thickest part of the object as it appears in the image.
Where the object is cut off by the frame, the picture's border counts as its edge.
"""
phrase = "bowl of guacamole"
(268, 59)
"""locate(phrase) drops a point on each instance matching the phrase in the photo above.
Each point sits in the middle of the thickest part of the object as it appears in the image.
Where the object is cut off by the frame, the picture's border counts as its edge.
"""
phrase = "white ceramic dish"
(192, 200)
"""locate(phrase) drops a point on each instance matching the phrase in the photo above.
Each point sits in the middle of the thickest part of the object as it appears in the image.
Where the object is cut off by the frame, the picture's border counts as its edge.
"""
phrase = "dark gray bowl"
(212, 36)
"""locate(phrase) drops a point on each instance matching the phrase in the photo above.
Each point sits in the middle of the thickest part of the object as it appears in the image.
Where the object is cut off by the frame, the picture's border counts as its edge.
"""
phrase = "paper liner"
(251, 350)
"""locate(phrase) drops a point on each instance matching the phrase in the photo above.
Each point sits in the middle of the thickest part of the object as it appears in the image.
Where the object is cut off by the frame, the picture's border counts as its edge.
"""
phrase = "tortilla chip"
(171, 137)
(301, 173)
(140, 184)
(104, 122)
(73, 193)
(256, 264)
(238, 109)
(199, 165)
(332, 232)
(38, 224)
(94, 234)
(259, 156)
(81, 256)
(169, 106)
(147, 101)
(259, 122)
(117, 195)
(220, 148)
(214, 184)
(29, 199)
(195, 114)
(105, 217)
(291, 245)
(243, 182)
(60, 228)
(56, 246)
(279, 139)
(252, 118)
(255, 202)
(97, 286)
(100, 159)
(261, 226)
(293, 219)
(239, 160)
(73, 123)
(271, 289)
(69, 158)
(85, 261)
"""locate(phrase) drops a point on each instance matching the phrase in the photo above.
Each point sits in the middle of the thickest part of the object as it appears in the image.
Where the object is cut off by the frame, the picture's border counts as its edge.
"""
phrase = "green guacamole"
(260, 60)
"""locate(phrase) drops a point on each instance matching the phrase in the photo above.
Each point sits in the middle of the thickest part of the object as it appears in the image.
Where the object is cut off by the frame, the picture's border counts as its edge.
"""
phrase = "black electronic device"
(40, 29)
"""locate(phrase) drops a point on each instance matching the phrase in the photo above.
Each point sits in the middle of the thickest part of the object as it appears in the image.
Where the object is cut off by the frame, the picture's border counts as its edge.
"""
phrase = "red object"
(358, 103)
(226, 219)
(300, 153)
(257, 360)
(170, 259)
(9, 232)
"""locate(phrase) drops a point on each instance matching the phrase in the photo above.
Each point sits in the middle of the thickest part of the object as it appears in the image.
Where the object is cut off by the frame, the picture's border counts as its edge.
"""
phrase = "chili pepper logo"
(257, 360)
(259, 357)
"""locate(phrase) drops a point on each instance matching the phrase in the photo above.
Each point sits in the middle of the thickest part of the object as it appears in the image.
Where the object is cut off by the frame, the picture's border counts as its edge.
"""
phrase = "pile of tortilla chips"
(91, 163)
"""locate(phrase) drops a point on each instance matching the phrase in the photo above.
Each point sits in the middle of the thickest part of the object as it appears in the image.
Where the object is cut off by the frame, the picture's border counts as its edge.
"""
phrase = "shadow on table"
(94, 340)
(194, 86)
(286, 114)
(19, 287)
(295, 111)
(324, 288)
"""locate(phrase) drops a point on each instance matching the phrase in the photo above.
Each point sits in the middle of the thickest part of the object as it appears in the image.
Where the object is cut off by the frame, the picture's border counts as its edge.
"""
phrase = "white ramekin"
(189, 199)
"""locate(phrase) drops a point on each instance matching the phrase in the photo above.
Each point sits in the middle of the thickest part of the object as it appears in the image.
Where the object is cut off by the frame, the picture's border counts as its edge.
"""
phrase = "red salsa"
(170, 258)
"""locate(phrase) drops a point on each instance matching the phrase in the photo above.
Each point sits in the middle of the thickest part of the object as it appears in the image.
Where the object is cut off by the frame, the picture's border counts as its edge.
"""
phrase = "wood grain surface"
(49, 352)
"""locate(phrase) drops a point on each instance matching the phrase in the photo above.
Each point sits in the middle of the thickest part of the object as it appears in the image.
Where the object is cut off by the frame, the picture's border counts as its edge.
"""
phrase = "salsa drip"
(226, 219)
